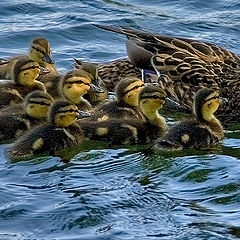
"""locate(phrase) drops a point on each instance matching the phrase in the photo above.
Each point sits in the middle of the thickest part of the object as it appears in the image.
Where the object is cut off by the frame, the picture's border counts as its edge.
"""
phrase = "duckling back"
(187, 135)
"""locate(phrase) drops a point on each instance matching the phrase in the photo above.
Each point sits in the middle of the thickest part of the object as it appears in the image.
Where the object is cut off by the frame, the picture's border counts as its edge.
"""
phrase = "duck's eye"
(209, 105)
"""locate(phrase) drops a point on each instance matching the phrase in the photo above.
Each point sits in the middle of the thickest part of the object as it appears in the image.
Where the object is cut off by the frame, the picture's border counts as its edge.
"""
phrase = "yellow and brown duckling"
(74, 85)
(132, 131)
(39, 51)
(186, 65)
(200, 132)
(112, 72)
(24, 74)
(17, 119)
(126, 104)
(60, 132)
(99, 94)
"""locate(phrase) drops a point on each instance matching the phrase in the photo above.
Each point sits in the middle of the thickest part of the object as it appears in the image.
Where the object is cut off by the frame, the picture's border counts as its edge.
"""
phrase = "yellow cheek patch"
(103, 118)
(37, 144)
(185, 138)
(101, 131)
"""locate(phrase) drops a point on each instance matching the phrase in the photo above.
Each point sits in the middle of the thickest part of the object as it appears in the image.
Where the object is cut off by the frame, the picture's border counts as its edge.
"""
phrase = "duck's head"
(37, 104)
(75, 84)
(92, 71)
(63, 113)
(40, 51)
(127, 91)
(151, 98)
(206, 103)
(25, 71)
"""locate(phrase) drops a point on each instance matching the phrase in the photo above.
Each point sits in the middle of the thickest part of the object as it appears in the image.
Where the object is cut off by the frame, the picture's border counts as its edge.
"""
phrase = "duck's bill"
(3, 61)
(48, 59)
(83, 114)
(44, 71)
(96, 87)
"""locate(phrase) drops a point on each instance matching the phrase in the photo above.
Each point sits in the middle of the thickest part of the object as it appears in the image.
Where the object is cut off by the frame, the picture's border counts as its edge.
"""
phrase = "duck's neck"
(155, 119)
(217, 128)
(76, 99)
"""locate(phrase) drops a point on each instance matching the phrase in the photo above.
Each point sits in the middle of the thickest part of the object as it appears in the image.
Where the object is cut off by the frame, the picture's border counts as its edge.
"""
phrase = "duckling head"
(63, 113)
(128, 89)
(40, 51)
(151, 99)
(75, 84)
(37, 104)
(206, 103)
(25, 71)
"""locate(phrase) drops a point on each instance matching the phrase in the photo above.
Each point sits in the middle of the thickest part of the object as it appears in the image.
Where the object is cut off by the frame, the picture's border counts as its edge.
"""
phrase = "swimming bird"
(112, 72)
(186, 65)
(39, 51)
(60, 132)
(200, 132)
(73, 86)
(126, 103)
(19, 118)
(100, 92)
(132, 131)
(24, 74)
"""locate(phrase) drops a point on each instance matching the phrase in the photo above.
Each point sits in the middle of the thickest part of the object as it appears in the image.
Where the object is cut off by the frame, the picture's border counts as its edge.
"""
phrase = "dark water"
(125, 193)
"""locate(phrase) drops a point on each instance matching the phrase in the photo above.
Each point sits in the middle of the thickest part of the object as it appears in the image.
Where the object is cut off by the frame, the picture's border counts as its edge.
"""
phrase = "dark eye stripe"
(79, 82)
(32, 67)
(39, 103)
(38, 50)
(153, 97)
(135, 87)
(70, 110)
(214, 97)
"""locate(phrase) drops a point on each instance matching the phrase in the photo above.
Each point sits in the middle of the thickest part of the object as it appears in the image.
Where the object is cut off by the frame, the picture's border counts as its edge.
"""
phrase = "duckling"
(39, 51)
(186, 65)
(112, 72)
(24, 74)
(60, 132)
(200, 132)
(100, 93)
(17, 119)
(73, 85)
(126, 104)
(132, 131)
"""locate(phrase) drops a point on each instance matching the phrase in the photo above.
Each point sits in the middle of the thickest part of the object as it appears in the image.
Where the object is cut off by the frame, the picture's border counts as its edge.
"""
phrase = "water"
(123, 193)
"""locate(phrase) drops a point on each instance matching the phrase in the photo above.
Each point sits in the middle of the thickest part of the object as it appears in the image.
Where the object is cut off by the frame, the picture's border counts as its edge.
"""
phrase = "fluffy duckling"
(17, 119)
(60, 132)
(112, 72)
(24, 74)
(74, 85)
(99, 94)
(186, 65)
(201, 132)
(126, 104)
(39, 51)
(132, 131)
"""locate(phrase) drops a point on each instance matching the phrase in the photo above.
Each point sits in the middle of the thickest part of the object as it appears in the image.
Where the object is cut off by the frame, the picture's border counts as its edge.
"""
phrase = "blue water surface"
(121, 193)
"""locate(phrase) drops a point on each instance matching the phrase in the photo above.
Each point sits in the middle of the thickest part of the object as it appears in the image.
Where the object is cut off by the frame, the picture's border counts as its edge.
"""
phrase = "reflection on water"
(126, 192)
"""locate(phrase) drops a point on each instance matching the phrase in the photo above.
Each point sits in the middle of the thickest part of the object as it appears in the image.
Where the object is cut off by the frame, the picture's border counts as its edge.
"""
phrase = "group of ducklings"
(44, 111)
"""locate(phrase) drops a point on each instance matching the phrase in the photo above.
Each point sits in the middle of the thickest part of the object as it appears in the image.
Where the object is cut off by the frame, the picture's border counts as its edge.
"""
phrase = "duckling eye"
(209, 104)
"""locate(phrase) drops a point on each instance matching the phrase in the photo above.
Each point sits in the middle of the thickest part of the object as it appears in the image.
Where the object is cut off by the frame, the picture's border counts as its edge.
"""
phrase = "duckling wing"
(12, 126)
(187, 135)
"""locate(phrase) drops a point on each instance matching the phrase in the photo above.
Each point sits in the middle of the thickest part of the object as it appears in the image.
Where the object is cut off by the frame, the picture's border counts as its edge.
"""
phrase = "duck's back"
(188, 134)
(44, 138)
